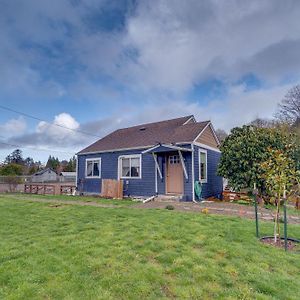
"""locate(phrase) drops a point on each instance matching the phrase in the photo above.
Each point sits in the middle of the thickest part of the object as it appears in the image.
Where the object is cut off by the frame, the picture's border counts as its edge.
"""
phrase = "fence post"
(256, 213)
(285, 219)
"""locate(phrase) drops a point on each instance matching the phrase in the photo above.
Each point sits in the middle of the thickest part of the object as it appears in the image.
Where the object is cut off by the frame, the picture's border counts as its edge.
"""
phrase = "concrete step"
(168, 198)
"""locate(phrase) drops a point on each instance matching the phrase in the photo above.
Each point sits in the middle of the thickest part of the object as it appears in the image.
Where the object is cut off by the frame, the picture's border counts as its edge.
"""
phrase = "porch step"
(168, 198)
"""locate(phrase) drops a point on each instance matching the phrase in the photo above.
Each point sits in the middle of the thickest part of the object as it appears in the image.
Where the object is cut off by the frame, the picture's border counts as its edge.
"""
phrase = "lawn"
(123, 202)
(81, 252)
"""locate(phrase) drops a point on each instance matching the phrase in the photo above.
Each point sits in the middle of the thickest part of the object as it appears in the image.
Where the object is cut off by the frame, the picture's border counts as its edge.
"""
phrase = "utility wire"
(51, 124)
(35, 149)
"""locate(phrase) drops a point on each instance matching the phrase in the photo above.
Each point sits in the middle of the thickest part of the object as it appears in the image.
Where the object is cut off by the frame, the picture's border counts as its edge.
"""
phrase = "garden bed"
(292, 244)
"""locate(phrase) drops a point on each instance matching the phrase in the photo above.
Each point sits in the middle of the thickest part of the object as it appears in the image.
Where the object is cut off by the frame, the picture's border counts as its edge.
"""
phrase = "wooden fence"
(48, 189)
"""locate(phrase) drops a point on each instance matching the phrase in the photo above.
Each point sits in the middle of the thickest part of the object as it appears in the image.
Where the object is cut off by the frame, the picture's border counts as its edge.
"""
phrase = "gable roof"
(180, 130)
(43, 171)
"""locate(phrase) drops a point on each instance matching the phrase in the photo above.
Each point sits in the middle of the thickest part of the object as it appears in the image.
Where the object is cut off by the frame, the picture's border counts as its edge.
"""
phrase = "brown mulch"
(291, 245)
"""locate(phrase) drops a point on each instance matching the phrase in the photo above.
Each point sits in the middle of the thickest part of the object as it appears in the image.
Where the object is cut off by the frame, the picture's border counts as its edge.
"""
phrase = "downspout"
(193, 175)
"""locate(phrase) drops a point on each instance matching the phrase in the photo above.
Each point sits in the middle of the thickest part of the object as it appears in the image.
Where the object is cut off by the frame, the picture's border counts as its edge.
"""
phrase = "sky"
(95, 66)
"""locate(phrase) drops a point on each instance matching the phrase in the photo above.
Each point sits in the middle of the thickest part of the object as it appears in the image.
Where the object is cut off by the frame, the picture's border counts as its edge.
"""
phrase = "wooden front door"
(174, 183)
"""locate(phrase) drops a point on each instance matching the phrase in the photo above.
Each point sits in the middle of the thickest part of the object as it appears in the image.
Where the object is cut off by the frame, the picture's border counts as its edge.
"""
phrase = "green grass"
(290, 209)
(80, 252)
(118, 202)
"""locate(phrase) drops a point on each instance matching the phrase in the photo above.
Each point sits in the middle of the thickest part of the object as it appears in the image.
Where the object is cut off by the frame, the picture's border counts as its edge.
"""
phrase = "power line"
(36, 149)
(51, 124)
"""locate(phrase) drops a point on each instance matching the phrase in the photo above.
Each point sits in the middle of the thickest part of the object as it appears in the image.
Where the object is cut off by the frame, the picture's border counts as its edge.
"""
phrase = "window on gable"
(130, 166)
(203, 166)
(93, 168)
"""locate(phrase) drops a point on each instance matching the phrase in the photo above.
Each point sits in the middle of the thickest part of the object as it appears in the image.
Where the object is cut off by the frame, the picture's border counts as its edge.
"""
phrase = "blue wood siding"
(214, 185)
(109, 170)
(146, 185)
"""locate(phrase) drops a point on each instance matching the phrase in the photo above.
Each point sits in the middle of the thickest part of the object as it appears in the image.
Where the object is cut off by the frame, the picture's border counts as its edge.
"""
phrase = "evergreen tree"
(15, 157)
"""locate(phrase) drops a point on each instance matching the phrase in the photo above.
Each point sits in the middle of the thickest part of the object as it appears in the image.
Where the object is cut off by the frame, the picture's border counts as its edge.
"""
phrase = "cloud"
(182, 42)
(140, 61)
(240, 107)
(52, 134)
(165, 45)
(13, 127)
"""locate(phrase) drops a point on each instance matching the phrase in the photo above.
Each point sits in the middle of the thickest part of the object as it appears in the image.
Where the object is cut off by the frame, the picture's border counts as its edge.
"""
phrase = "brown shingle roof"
(169, 131)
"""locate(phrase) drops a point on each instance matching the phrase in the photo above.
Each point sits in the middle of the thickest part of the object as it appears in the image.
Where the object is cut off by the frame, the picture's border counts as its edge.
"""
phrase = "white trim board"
(191, 118)
(209, 124)
(199, 162)
(201, 132)
(183, 165)
(206, 147)
(115, 150)
(214, 133)
(193, 175)
(167, 146)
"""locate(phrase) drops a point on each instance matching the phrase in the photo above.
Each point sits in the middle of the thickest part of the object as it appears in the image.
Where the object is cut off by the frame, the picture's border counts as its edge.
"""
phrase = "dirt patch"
(58, 205)
(220, 208)
(291, 244)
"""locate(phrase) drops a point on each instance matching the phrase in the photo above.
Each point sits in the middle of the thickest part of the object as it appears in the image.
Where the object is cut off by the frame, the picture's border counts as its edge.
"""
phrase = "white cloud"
(164, 49)
(183, 42)
(13, 127)
(242, 106)
(168, 45)
(63, 120)
(54, 134)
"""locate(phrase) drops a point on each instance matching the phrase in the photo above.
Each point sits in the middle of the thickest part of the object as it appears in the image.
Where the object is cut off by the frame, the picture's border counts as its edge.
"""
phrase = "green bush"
(170, 207)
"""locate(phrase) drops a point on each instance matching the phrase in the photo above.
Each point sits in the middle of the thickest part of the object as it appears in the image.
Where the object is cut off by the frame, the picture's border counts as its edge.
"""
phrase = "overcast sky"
(99, 65)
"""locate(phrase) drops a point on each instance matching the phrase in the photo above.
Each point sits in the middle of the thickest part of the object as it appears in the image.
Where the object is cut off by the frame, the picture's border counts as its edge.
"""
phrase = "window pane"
(135, 171)
(135, 162)
(135, 167)
(89, 168)
(203, 174)
(125, 172)
(125, 167)
(125, 162)
(96, 168)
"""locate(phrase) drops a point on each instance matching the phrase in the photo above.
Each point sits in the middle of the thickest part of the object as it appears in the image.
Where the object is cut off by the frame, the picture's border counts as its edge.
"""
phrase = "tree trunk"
(277, 220)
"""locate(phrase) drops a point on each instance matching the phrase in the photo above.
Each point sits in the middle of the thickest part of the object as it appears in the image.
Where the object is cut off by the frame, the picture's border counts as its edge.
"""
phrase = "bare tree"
(221, 134)
(289, 108)
(263, 123)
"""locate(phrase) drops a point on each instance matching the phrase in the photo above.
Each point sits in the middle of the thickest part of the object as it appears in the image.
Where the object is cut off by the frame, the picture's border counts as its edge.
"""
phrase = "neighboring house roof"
(180, 130)
(43, 171)
(67, 174)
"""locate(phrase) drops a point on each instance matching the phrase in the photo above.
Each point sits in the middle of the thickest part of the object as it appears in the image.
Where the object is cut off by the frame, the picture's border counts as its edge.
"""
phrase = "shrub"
(170, 207)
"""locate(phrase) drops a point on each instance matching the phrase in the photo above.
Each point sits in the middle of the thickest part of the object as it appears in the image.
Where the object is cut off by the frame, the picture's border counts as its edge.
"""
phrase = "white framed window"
(93, 168)
(130, 166)
(203, 165)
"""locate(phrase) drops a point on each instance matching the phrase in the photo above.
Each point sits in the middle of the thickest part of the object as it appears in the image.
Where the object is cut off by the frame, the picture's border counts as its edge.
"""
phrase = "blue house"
(161, 158)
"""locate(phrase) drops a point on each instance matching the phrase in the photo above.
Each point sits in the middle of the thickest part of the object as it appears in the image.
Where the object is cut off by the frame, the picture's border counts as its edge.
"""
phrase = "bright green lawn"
(74, 252)
(118, 202)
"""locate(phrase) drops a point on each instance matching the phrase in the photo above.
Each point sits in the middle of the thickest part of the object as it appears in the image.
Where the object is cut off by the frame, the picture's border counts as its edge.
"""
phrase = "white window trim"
(202, 151)
(120, 167)
(100, 167)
